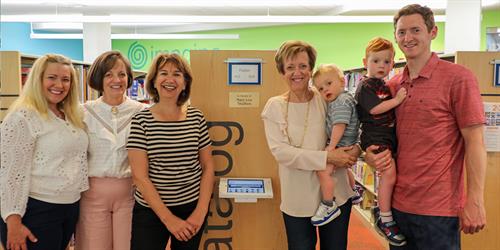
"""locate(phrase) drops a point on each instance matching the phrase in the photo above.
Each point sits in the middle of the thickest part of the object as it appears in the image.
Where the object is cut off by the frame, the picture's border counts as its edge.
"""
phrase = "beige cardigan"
(300, 190)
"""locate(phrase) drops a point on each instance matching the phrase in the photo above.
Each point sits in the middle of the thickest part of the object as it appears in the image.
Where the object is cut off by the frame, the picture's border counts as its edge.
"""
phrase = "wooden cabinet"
(10, 79)
(479, 63)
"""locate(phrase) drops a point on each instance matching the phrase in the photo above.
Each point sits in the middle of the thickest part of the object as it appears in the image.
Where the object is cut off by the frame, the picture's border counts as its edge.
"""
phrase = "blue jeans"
(427, 232)
(301, 234)
(52, 224)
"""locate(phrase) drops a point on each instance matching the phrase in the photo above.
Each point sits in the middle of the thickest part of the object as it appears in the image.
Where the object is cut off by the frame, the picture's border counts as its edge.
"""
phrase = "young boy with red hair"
(375, 107)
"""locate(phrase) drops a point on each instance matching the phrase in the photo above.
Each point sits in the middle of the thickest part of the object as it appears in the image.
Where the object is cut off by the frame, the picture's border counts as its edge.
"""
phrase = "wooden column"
(240, 150)
(488, 239)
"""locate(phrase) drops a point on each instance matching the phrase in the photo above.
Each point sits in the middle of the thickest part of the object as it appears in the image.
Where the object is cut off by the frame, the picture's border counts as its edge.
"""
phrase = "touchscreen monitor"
(245, 186)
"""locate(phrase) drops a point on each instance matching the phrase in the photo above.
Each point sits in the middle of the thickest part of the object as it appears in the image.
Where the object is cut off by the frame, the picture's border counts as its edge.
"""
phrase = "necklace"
(111, 101)
(58, 113)
(114, 110)
(306, 121)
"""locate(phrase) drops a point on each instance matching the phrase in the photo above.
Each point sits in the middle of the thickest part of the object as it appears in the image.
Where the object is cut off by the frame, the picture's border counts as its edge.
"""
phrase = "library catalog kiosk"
(245, 189)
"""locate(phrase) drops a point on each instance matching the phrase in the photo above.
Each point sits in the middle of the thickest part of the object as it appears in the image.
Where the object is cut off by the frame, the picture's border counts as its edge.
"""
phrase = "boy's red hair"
(378, 44)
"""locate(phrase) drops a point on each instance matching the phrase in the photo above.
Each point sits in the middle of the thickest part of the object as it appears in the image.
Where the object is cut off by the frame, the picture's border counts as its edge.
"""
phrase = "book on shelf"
(366, 176)
(92, 94)
(25, 70)
(138, 91)
(81, 74)
(353, 78)
(369, 201)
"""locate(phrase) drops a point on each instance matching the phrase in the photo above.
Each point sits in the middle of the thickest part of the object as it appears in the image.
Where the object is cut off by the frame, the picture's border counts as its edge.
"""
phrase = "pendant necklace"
(114, 110)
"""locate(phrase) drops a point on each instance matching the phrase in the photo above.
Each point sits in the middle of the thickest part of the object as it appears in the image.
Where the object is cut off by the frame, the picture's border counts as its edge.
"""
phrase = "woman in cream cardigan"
(295, 130)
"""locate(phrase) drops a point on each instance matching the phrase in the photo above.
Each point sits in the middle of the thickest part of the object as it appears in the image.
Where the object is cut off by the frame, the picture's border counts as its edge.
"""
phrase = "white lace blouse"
(108, 133)
(45, 159)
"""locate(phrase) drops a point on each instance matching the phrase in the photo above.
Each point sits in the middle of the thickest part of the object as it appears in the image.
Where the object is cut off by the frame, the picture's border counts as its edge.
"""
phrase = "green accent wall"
(339, 43)
(491, 18)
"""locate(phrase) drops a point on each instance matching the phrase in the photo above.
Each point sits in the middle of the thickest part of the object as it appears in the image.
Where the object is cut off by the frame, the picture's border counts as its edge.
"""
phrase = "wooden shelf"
(365, 213)
(366, 187)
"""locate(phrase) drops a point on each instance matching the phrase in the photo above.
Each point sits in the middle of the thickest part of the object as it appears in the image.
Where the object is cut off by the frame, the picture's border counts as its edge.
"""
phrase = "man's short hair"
(411, 9)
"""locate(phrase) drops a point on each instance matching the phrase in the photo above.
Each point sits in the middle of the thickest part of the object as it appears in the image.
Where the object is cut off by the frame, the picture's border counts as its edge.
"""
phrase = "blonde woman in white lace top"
(106, 208)
(43, 159)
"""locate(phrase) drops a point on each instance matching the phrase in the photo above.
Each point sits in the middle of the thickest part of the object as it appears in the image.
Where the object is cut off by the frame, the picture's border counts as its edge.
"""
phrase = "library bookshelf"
(15, 67)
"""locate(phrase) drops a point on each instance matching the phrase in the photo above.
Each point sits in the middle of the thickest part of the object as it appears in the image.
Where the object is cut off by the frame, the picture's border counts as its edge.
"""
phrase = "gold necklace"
(306, 122)
(114, 110)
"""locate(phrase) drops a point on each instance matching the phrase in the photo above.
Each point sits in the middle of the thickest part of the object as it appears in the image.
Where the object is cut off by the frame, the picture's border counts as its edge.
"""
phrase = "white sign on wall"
(492, 128)
(244, 71)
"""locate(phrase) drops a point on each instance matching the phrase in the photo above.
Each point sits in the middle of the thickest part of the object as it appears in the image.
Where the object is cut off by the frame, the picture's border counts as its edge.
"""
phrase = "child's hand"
(401, 95)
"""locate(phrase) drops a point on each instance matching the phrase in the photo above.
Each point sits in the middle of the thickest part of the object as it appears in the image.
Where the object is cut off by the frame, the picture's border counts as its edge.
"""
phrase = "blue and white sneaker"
(390, 231)
(358, 195)
(325, 214)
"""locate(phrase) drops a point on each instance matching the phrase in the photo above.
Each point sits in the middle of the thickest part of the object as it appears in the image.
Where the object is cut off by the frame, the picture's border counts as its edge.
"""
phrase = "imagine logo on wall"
(140, 56)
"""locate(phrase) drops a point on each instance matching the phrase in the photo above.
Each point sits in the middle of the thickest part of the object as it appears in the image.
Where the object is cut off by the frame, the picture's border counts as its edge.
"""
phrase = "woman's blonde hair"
(290, 49)
(32, 96)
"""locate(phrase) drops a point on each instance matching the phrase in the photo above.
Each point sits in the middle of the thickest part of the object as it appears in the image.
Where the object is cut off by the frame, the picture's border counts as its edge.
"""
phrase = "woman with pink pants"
(106, 208)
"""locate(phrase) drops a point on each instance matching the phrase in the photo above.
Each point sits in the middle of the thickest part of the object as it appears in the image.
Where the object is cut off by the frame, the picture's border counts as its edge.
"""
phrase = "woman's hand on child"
(340, 158)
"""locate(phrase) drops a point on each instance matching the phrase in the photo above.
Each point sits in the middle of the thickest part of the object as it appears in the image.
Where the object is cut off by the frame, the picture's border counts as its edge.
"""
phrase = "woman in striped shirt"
(171, 160)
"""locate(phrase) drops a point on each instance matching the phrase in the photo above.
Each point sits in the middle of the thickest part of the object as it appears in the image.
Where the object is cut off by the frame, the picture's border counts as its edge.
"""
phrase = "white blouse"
(300, 189)
(45, 159)
(108, 133)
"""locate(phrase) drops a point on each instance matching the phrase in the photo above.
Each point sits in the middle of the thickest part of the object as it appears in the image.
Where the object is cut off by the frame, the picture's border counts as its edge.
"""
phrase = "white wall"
(463, 26)
(96, 40)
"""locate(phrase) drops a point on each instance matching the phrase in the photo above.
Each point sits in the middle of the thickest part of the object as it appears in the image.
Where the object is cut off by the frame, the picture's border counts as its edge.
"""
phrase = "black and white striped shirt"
(172, 148)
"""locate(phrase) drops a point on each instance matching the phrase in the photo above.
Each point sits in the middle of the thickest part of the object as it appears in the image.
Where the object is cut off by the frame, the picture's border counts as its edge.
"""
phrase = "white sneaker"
(325, 214)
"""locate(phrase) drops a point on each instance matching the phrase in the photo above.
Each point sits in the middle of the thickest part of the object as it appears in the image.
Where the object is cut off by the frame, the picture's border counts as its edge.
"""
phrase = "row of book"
(366, 175)
(136, 92)
(353, 78)
(367, 178)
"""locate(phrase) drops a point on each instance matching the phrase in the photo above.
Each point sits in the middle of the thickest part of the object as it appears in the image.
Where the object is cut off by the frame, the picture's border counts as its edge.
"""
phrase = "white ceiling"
(150, 11)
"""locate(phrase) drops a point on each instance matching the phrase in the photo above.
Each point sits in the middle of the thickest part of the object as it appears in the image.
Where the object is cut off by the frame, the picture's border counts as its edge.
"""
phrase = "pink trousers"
(105, 215)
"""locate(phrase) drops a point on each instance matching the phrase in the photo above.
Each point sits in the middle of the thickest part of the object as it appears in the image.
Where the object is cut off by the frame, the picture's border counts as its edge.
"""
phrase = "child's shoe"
(390, 231)
(358, 195)
(325, 214)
